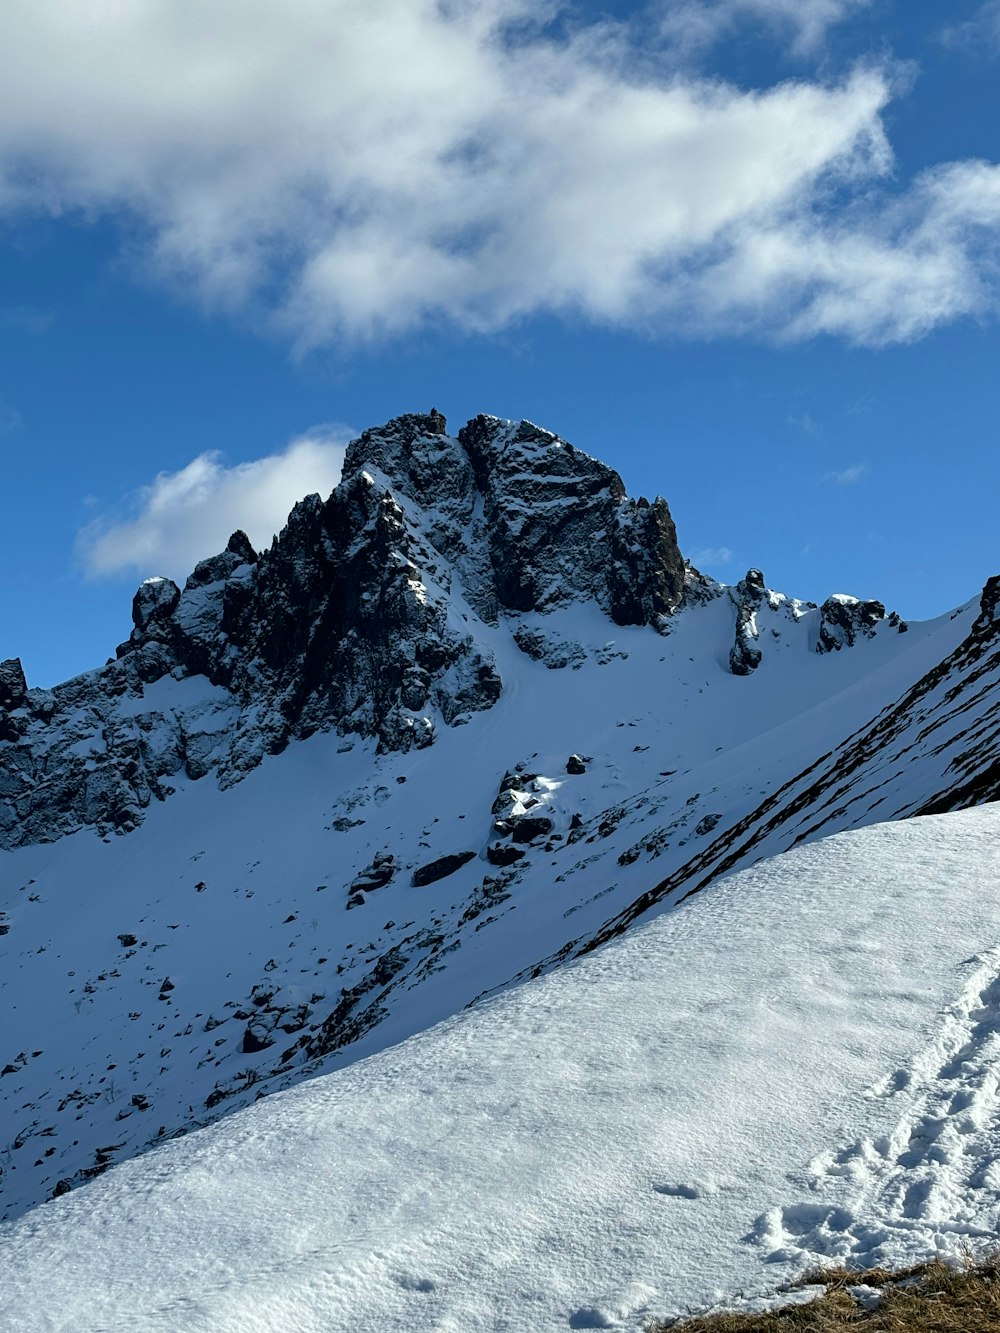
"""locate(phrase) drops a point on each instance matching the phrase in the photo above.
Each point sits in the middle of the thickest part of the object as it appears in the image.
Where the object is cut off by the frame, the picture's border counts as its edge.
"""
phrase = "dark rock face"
(745, 656)
(989, 606)
(844, 619)
(239, 545)
(13, 691)
(529, 827)
(440, 869)
(504, 854)
(256, 1038)
(13, 686)
(561, 529)
(153, 605)
(554, 652)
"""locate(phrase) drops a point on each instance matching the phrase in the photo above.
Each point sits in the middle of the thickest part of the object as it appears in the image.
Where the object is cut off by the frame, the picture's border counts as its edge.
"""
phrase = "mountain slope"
(798, 1065)
(189, 920)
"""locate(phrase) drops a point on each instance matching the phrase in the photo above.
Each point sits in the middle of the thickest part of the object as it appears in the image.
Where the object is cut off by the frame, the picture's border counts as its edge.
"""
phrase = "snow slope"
(154, 981)
(801, 1063)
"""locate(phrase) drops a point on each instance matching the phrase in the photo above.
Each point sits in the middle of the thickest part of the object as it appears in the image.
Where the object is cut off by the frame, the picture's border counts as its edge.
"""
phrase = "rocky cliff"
(365, 617)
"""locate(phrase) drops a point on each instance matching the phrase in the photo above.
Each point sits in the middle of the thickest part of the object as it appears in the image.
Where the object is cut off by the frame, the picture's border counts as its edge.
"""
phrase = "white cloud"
(695, 25)
(351, 169)
(848, 475)
(182, 517)
(887, 269)
(711, 557)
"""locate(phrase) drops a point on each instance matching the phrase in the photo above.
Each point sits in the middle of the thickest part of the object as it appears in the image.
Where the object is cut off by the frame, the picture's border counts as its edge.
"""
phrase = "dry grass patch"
(928, 1298)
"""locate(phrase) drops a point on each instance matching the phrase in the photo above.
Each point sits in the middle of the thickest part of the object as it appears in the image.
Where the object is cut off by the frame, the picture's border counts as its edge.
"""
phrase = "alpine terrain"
(468, 719)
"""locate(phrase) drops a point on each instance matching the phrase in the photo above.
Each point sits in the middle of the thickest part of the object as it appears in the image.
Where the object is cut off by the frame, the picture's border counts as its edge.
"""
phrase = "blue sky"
(746, 251)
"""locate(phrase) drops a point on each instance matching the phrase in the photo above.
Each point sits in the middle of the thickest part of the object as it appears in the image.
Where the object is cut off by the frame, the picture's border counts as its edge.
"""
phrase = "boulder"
(376, 875)
(440, 869)
(504, 854)
(529, 827)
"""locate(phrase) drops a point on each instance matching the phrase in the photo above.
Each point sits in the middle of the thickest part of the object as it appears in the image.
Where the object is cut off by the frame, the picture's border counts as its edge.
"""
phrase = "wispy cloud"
(979, 35)
(353, 169)
(181, 517)
(804, 422)
(695, 25)
(10, 417)
(25, 319)
(847, 476)
(712, 557)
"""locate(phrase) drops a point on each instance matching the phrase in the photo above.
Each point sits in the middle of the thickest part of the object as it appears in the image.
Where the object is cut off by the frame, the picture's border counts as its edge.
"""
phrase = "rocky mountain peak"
(527, 521)
(374, 613)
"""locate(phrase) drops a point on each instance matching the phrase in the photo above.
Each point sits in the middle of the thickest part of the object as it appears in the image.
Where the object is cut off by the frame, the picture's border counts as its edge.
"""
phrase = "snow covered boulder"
(376, 875)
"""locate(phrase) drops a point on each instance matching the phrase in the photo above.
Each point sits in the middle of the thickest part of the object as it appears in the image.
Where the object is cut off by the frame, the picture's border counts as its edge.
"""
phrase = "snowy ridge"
(790, 1067)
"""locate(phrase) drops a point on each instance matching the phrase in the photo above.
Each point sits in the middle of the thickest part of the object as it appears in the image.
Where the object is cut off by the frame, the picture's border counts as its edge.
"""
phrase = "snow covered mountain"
(466, 720)
(800, 1065)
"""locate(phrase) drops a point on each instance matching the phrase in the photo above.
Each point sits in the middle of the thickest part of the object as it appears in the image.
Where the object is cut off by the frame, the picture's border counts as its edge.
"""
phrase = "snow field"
(238, 893)
(796, 1064)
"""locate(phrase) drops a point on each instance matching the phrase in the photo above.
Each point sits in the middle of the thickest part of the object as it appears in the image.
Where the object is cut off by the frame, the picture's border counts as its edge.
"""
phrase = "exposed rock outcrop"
(560, 527)
(843, 619)
(440, 869)
(13, 686)
(13, 690)
(745, 656)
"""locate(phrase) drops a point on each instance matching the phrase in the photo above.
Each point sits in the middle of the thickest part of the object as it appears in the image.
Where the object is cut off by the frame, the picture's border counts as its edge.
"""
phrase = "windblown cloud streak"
(711, 557)
(182, 517)
(354, 169)
(696, 24)
(979, 35)
(10, 417)
(847, 476)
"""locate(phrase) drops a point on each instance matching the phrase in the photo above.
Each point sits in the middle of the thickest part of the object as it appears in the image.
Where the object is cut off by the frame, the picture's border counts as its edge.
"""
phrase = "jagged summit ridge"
(528, 521)
(374, 613)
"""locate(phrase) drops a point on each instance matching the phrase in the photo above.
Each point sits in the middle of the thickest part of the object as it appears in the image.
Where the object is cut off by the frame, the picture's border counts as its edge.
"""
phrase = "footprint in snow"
(934, 1181)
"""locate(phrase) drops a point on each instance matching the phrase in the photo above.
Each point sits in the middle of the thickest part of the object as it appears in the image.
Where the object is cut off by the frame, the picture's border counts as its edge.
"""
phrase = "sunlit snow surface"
(800, 1063)
(130, 966)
